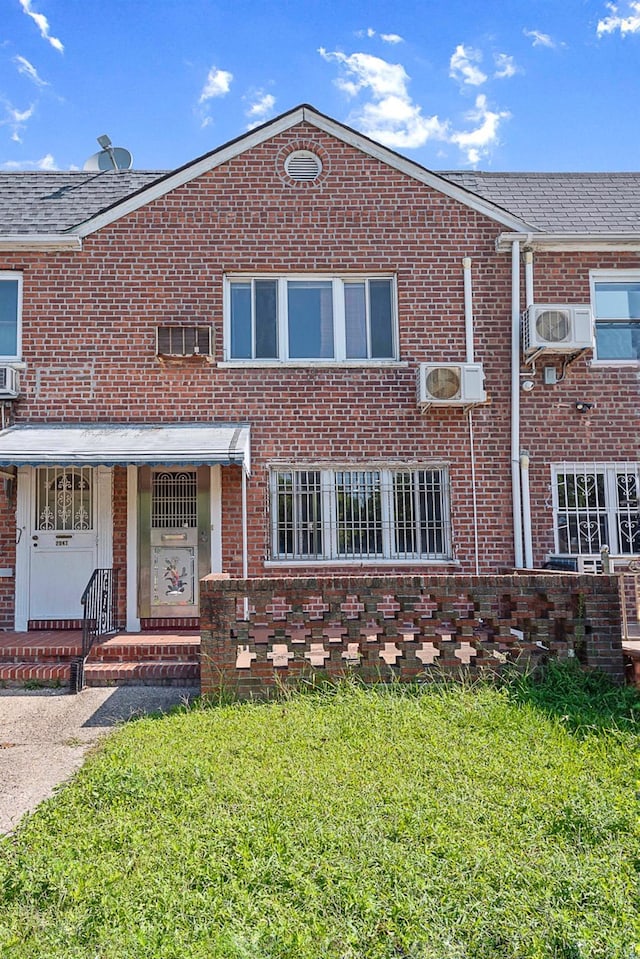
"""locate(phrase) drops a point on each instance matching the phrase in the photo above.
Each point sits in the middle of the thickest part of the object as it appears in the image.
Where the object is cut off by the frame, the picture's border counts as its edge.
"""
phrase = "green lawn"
(444, 823)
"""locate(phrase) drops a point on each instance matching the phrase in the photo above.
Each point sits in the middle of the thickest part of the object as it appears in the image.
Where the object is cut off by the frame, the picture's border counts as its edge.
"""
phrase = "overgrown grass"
(441, 823)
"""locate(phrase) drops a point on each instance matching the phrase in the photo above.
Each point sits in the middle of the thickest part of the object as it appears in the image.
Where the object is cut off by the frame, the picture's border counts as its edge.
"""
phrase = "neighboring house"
(301, 353)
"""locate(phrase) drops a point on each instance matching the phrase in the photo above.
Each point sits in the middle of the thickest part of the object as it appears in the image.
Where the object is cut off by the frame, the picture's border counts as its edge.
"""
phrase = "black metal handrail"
(100, 617)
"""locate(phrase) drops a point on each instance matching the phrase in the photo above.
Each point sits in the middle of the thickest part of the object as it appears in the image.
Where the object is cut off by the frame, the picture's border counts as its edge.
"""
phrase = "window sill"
(312, 364)
(275, 563)
(603, 364)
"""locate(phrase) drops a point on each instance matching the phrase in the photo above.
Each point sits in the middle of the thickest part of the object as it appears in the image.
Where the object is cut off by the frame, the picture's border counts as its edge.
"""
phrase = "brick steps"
(157, 673)
(19, 674)
(167, 659)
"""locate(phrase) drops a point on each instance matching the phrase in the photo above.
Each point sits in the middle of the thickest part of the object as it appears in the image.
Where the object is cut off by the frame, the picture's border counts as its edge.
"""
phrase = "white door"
(62, 541)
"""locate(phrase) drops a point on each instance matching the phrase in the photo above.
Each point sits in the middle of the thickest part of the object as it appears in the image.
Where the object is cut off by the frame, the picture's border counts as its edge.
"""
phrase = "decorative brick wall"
(407, 628)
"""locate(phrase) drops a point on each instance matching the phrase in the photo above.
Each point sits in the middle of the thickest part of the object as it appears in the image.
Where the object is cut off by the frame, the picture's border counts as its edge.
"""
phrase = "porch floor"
(163, 658)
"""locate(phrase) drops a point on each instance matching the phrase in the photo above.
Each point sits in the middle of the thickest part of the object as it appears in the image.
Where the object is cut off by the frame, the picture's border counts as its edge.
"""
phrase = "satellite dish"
(109, 158)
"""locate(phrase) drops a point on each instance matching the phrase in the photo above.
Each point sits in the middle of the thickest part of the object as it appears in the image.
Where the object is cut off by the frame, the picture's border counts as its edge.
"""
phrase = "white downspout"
(245, 546)
(468, 307)
(468, 326)
(526, 510)
(524, 456)
(528, 277)
(515, 405)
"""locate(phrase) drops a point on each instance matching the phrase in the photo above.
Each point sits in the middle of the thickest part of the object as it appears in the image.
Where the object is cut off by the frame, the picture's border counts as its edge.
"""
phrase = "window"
(310, 318)
(360, 514)
(597, 506)
(616, 307)
(10, 309)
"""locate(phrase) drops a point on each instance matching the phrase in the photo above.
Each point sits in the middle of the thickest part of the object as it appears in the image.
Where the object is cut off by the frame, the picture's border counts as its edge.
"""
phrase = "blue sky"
(497, 85)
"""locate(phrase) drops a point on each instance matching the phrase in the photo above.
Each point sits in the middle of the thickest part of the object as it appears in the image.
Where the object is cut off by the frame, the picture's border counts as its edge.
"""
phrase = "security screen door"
(175, 533)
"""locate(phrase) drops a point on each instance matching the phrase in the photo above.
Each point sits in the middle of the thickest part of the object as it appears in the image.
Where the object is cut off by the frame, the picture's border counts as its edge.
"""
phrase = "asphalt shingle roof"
(54, 202)
(561, 202)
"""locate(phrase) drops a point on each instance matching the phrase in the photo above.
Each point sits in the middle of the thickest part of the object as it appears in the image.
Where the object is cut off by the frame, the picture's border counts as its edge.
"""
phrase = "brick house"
(305, 353)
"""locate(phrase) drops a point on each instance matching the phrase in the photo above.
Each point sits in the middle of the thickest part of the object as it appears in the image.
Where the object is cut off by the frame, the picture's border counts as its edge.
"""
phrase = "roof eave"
(568, 242)
(45, 242)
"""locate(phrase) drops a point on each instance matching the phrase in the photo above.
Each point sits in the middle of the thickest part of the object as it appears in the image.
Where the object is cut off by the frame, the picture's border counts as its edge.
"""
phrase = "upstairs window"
(311, 318)
(10, 310)
(616, 307)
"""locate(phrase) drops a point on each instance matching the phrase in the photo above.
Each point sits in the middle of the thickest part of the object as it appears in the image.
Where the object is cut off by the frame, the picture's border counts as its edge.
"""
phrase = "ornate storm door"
(63, 541)
(175, 524)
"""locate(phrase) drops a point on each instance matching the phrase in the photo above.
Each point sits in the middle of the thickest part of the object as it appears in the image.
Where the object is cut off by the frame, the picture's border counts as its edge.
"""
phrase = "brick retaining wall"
(409, 628)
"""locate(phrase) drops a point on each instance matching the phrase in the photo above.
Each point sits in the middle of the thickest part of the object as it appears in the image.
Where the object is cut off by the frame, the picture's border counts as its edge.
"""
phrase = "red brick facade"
(89, 321)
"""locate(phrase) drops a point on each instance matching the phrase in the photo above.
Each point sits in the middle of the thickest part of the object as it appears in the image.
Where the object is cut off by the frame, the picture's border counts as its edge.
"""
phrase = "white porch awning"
(194, 444)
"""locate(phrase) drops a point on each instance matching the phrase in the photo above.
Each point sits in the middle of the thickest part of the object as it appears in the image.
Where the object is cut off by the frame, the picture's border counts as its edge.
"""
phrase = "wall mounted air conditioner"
(450, 384)
(550, 328)
(8, 383)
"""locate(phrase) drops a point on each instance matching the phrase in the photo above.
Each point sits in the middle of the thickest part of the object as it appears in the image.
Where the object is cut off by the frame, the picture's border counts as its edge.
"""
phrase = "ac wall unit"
(553, 328)
(450, 384)
(8, 383)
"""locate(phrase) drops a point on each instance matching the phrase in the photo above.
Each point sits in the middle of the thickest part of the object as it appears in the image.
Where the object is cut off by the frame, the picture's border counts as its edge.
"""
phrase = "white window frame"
(609, 276)
(339, 327)
(14, 357)
(328, 524)
(609, 511)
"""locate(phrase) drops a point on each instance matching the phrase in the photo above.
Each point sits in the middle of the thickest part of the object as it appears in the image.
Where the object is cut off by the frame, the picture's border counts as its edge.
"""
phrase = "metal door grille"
(174, 500)
(64, 500)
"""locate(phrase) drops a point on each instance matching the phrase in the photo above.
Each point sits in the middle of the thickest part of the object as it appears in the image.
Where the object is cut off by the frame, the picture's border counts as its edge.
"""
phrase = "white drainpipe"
(524, 457)
(526, 510)
(515, 406)
(468, 307)
(468, 326)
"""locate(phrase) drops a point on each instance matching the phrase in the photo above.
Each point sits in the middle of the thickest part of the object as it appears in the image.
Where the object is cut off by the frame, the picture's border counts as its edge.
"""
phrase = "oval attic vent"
(303, 165)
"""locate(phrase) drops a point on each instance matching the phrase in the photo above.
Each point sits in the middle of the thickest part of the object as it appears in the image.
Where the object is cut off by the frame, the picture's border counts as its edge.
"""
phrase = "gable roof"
(66, 206)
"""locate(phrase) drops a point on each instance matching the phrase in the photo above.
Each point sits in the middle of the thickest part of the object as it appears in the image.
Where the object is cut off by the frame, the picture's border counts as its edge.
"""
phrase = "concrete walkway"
(45, 734)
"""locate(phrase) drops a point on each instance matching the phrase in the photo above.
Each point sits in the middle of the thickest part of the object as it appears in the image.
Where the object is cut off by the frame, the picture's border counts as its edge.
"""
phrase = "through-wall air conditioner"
(550, 328)
(450, 384)
(8, 383)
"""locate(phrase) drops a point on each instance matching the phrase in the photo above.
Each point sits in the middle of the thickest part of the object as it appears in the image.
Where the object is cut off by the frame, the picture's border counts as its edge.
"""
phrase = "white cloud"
(625, 24)
(463, 66)
(217, 84)
(28, 70)
(260, 107)
(390, 116)
(540, 39)
(45, 163)
(477, 143)
(263, 103)
(387, 37)
(15, 119)
(42, 24)
(505, 66)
